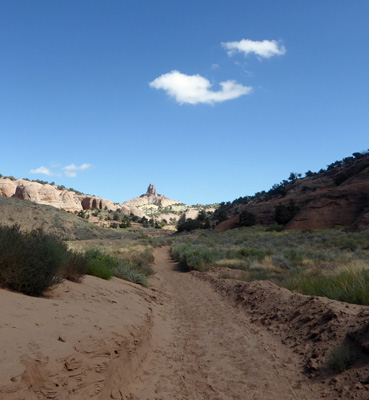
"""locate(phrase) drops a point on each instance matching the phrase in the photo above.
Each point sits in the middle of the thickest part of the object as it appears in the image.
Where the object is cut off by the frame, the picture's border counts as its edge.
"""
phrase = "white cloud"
(194, 89)
(41, 170)
(70, 170)
(73, 167)
(214, 66)
(265, 48)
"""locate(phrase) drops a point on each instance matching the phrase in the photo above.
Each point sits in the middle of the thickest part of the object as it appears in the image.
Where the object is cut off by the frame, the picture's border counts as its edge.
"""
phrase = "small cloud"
(214, 66)
(264, 49)
(73, 167)
(41, 170)
(194, 89)
(70, 170)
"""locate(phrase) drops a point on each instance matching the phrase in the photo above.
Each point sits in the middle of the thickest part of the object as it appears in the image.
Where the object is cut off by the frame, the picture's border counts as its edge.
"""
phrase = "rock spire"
(152, 191)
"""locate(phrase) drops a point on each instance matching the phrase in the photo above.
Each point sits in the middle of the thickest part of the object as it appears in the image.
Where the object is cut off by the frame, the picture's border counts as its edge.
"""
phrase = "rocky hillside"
(51, 195)
(336, 196)
(152, 198)
(154, 205)
(150, 206)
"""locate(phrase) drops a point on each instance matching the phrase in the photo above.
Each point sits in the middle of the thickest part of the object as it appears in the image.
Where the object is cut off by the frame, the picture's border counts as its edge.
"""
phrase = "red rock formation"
(339, 196)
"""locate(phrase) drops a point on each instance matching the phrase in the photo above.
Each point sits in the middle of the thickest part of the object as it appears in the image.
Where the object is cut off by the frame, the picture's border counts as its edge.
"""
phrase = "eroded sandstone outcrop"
(7, 187)
(150, 197)
(90, 203)
(51, 195)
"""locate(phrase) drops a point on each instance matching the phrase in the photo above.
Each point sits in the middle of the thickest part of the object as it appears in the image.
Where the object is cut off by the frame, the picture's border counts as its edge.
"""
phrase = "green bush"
(247, 219)
(99, 269)
(99, 264)
(30, 263)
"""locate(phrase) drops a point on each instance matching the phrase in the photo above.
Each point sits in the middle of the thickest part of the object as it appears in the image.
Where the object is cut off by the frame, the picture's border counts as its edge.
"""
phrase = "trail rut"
(204, 348)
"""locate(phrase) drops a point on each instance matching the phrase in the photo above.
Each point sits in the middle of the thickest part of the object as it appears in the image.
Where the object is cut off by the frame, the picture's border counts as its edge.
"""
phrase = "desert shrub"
(75, 268)
(247, 219)
(99, 269)
(189, 225)
(342, 177)
(30, 262)
(343, 357)
(83, 214)
(131, 266)
(125, 270)
(200, 259)
(116, 216)
(99, 264)
(284, 213)
(275, 228)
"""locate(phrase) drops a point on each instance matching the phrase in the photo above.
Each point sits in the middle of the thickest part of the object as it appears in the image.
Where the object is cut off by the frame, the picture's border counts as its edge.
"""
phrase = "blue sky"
(208, 100)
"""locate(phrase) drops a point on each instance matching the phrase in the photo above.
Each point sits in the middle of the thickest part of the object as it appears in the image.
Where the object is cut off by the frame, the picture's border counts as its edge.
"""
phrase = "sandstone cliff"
(50, 195)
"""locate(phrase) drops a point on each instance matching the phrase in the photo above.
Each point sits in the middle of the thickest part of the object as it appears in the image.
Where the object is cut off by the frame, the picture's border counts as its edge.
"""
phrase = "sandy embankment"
(81, 341)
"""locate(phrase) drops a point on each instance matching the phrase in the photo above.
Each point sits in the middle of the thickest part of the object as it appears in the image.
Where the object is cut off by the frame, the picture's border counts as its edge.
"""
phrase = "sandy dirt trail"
(204, 348)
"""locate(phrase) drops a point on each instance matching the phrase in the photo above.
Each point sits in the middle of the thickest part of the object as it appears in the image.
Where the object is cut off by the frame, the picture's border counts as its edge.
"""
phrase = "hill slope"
(336, 196)
(30, 216)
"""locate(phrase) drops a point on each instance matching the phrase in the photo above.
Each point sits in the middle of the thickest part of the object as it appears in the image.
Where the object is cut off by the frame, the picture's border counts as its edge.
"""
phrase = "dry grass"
(330, 263)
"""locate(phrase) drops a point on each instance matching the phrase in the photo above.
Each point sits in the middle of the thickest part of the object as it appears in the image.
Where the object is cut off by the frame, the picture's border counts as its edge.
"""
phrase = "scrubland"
(330, 262)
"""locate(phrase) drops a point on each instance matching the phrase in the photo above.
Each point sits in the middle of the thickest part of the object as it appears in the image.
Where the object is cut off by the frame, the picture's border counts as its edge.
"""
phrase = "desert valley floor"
(178, 339)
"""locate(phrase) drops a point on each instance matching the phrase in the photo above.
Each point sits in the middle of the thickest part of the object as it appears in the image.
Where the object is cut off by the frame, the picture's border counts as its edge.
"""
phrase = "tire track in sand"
(203, 348)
